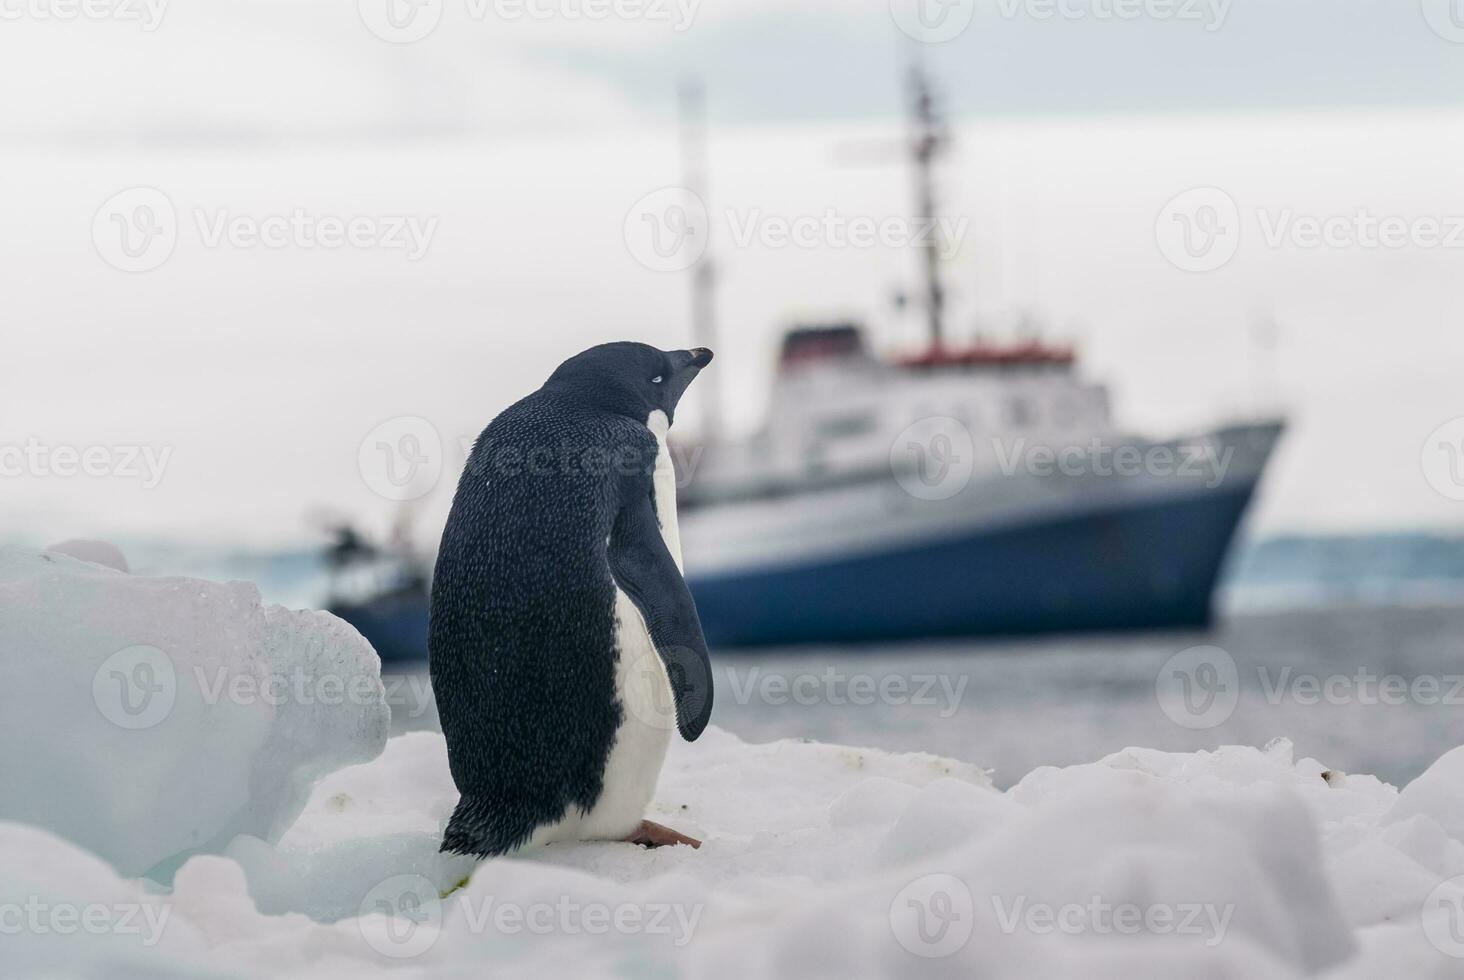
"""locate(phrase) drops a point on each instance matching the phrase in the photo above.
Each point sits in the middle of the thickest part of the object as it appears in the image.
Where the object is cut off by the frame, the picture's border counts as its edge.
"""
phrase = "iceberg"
(148, 719)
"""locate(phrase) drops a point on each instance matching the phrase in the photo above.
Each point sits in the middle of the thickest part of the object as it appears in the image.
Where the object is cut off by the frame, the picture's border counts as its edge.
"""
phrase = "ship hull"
(395, 624)
(1152, 565)
(1101, 556)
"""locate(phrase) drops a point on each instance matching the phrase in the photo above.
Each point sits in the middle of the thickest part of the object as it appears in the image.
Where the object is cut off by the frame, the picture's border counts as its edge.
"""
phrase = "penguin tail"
(478, 828)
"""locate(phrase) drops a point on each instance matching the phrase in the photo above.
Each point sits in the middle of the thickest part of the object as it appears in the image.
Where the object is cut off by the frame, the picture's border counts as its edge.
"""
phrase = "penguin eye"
(656, 380)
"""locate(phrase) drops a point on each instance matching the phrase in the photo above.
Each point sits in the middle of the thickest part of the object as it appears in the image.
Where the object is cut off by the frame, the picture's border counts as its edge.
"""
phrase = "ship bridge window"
(846, 426)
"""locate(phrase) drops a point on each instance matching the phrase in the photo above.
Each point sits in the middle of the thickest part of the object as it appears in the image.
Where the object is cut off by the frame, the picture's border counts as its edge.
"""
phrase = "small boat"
(382, 590)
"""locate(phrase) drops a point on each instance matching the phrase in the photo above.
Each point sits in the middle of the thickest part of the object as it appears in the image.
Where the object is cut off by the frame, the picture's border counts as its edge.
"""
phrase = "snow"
(1240, 862)
(301, 847)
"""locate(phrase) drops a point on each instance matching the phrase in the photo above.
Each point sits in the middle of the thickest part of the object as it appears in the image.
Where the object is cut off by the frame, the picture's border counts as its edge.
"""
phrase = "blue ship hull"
(1139, 565)
(395, 624)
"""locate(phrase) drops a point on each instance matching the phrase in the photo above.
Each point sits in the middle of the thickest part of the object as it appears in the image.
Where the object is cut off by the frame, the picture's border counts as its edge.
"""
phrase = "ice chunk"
(149, 718)
(361, 825)
(97, 552)
(1438, 793)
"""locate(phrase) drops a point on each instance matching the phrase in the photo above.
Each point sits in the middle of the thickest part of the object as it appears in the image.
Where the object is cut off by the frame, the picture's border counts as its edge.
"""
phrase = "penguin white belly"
(640, 744)
(641, 685)
(665, 482)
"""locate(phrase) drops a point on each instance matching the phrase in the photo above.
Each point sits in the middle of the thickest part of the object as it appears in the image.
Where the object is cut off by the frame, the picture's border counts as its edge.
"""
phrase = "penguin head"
(631, 379)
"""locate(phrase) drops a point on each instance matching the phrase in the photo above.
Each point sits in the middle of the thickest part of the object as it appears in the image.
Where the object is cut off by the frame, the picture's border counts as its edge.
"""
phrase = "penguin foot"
(652, 834)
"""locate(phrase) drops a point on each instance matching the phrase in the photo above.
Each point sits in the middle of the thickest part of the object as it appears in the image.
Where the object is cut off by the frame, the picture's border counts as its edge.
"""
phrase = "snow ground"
(818, 859)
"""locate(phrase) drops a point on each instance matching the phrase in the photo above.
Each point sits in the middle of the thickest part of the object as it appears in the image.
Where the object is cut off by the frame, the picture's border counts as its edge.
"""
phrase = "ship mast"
(703, 274)
(928, 141)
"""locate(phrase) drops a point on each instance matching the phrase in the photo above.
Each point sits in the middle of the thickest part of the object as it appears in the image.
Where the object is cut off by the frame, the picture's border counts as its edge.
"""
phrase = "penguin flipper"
(645, 571)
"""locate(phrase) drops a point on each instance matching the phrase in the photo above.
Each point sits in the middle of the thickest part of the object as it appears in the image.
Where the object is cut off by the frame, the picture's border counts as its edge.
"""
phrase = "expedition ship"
(966, 491)
(971, 489)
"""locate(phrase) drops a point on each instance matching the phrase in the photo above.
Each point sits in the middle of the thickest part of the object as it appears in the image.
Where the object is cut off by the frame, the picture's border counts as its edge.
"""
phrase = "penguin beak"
(687, 364)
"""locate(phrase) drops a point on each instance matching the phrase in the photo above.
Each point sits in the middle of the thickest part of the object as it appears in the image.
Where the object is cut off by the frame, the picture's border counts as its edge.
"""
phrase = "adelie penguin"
(564, 643)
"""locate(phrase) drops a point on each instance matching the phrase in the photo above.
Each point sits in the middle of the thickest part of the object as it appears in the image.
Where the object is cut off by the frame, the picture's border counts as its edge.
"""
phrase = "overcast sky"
(235, 69)
(527, 142)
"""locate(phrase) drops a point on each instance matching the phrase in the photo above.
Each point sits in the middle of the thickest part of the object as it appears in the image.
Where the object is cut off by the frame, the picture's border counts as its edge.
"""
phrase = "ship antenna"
(928, 142)
(703, 273)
